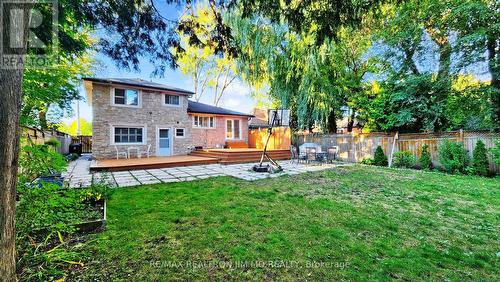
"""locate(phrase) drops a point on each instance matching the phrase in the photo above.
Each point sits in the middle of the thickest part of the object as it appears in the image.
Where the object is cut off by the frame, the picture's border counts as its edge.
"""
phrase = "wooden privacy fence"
(39, 137)
(356, 147)
(86, 142)
(281, 138)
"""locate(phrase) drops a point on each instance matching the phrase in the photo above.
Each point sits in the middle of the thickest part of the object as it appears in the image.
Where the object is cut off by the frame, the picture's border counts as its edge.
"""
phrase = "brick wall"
(211, 137)
(150, 115)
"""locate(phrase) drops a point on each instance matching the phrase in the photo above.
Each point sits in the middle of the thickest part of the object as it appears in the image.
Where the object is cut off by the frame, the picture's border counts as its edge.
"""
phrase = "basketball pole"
(277, 167)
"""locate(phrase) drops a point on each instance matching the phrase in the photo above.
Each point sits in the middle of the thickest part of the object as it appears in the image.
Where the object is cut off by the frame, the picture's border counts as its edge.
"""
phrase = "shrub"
(379, 158)
(495, 152)
(453, 157)
(53, 142)
(72, 157)
(480, 159)
(38, 160)
(425, 158)
(404, 159)
(367, 161)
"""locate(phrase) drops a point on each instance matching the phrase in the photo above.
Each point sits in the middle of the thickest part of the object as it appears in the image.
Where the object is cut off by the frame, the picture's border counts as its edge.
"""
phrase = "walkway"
(79, 175)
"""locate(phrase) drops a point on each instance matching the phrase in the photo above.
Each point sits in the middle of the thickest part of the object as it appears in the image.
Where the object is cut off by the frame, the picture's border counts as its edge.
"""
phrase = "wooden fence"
(281, 138)
(356, 147)
(39, 137)
(86, 142)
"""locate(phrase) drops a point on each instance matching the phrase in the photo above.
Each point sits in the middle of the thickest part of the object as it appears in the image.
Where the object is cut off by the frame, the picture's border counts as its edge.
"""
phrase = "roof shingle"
(196, 107)
(137, 82)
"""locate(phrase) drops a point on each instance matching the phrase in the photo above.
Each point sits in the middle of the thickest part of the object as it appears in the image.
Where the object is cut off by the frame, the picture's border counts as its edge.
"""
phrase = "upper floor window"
(172, 100)
(203, 122)
(126, 97)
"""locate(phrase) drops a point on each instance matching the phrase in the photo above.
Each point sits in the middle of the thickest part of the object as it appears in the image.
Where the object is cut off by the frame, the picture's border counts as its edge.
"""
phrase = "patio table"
(321, 157)
(136, 151)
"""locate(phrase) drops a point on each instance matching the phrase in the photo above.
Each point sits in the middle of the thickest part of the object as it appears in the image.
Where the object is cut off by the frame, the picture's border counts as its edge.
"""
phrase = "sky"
(236, 97)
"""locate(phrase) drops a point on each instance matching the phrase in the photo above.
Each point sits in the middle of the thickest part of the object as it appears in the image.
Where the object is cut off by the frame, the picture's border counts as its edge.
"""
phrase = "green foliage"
(71, 128)
(480, 164)
(425, 160)
(379, 158)
(72, 157)
(38, 160)
(404, 159)
(366, 161)
(495, 152)
(45, 226)
(53, 142)
(453, 157)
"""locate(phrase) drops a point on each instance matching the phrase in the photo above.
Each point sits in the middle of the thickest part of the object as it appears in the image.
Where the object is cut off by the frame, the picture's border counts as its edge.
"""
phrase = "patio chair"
(118, 153)
(332, 153)
(310, 154)
(146, 153)
(294, 154)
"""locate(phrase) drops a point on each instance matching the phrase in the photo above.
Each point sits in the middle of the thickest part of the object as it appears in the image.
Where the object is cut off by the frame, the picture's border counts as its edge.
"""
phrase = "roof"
(196, 107)
(260, 119)
(137, 82)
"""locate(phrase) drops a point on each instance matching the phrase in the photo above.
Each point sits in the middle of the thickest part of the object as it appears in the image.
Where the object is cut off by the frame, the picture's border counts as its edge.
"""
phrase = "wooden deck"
(150, 163)
(234, 156)
(199, 157)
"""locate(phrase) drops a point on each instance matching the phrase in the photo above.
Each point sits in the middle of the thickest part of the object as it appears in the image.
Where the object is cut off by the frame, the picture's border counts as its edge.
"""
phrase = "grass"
(355, 223)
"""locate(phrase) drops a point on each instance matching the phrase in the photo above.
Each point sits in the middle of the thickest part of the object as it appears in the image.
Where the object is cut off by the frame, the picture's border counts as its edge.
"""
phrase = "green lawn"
(354, 223)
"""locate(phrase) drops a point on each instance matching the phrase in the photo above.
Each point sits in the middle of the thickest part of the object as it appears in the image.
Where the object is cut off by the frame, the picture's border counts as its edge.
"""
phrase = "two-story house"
(146, 115)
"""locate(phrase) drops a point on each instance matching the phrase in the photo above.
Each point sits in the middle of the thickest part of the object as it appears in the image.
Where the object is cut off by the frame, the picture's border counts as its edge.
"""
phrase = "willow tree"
(316, 82)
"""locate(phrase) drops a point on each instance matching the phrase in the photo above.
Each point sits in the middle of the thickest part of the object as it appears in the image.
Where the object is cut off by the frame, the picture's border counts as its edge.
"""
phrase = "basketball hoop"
(278, 117)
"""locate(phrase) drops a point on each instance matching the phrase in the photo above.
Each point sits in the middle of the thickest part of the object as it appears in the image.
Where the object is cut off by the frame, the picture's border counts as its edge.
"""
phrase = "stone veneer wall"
(151, 114)
(211, 137)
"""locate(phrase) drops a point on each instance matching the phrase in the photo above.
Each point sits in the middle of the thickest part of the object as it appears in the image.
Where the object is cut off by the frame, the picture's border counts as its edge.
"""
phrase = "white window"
(172, 100)
(203, 122)
(233, 130)
(180, 132)
(128, 135)
(126, 97)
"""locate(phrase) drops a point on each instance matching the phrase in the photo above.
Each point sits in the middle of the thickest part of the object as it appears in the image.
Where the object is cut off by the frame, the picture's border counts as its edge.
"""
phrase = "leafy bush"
(425, 158)
(480, 159)
(38, 160)
(453, 157)
(404, 159)
(366, 161)
(53, 142)
(379, 159)
(495, 152)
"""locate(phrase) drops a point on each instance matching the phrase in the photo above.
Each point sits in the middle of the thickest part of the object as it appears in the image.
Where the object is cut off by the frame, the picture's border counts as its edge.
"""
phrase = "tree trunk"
(494, 68)
(332, 123)
(10, 105)
(444, 60)
(350, 122)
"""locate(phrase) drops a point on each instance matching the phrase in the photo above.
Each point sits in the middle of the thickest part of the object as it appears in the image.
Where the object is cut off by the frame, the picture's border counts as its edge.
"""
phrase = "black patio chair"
(310, 154)
(332, 153)
(294, 154)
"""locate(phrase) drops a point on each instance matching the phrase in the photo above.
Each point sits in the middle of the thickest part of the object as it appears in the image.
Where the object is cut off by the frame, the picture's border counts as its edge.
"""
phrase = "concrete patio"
(79, 175)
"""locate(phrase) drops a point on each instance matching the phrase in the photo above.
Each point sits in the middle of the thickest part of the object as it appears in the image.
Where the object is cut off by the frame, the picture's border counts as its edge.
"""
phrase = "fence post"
(396, 137)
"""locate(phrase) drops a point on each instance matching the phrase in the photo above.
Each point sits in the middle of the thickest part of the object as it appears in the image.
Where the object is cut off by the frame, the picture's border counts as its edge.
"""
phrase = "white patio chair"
(147, 152)
(118, 153)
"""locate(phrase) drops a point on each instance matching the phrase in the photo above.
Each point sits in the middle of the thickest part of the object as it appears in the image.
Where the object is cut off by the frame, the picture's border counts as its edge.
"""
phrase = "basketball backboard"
(279, 117)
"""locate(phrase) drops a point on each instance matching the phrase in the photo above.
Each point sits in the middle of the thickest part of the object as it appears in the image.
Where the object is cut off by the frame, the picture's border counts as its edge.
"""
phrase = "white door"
(164, 142)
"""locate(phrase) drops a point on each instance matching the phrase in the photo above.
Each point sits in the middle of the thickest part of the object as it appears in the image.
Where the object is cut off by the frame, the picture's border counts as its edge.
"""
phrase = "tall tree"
(197, 53)
(136, 28)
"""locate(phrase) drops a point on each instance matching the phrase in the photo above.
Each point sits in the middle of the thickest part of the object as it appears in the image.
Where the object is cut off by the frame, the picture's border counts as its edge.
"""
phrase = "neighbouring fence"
(85, 141)
(39, 137)
(280, 139)
(356, 147)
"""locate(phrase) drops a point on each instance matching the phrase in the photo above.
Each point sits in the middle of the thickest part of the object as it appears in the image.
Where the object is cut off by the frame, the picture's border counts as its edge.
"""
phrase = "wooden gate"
(86, 142)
